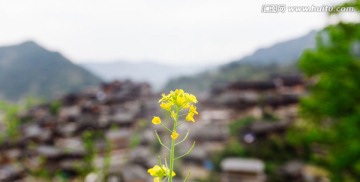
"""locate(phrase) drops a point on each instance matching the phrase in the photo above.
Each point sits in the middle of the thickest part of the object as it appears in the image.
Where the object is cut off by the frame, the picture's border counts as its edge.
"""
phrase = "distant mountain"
(283, 53)
(29, 69)
(280, 58)
(154, 73)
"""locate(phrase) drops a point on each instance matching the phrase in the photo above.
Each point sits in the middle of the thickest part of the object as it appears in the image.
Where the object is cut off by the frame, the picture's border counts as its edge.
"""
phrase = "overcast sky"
(166, 31)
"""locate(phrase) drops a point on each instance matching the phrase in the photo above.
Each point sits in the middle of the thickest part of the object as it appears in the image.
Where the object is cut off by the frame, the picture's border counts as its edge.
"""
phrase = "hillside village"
(105, 133)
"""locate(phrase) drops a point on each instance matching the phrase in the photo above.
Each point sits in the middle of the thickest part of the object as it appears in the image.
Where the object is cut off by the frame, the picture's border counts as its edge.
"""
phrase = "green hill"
(280, 58)
(28, 69)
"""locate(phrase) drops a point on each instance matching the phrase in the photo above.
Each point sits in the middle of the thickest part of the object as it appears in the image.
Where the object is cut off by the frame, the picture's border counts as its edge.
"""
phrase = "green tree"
(331, 111)
(9, 120)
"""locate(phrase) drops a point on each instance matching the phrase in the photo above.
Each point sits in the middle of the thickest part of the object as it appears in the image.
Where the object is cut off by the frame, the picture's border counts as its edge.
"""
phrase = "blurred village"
(105, 134)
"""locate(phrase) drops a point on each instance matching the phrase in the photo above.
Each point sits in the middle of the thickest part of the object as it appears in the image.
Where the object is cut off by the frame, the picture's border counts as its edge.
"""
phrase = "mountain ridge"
(279, 58)
(30, 69)
(262, 54)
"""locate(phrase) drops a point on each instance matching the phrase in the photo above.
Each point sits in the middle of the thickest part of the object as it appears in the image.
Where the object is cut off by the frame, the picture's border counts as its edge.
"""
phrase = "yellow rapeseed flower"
(157, 179)
(165, 98)
(187, 105)
(192, 109)
(156, 171)
(178, 97)
(178, 92)
(173, 115)
(168, 173)
(190, 117)
(166, 106)
(174, 135)
(180, 100)
(159, 172)
(191, 98)
(156, 120)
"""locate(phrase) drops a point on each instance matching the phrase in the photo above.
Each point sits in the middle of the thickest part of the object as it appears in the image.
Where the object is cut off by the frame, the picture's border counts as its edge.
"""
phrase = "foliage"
(274, 148)
(89, 145)
(331, 111)
(103, 170)
(232, 149)
(135, 141)
(55, 107)
(10, 120)
(236, 125)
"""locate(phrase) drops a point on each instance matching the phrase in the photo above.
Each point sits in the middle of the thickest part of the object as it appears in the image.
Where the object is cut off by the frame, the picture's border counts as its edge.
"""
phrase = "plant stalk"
(172, 149)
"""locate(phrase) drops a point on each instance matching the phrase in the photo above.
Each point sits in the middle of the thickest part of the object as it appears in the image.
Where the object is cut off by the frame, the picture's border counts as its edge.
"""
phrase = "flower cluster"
(159, 172)
(177, 97)
(179, 100)
(190, 115)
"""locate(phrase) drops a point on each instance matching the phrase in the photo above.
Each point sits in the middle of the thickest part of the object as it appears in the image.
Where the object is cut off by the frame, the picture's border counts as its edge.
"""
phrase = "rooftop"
(242, 165)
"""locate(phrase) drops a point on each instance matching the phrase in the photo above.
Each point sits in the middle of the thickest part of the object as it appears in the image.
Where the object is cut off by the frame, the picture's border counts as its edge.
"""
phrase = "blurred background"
(278, 91)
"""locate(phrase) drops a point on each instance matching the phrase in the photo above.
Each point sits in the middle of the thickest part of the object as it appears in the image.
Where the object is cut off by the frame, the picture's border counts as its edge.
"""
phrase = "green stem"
(172, 149)
(172, 153)
(188, 152)
(159, 139)
(187, 134)
(187, 177)
(165, 127)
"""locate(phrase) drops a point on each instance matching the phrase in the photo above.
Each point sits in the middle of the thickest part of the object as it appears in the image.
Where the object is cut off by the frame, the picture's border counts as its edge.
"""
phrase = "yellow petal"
(190, 117)
(174, 135)
(166, 106)
(192, 109)
(156, 120)
(180, 100)
(154, 171)
(191, 98)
